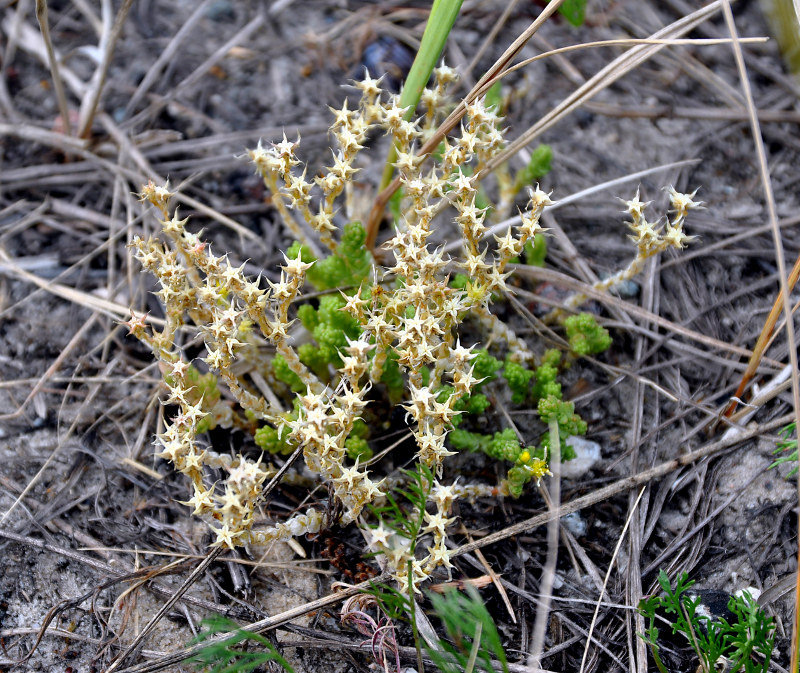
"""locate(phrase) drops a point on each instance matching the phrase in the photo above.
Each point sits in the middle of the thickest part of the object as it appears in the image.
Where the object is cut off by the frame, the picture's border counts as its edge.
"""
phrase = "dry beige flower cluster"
(413, 320)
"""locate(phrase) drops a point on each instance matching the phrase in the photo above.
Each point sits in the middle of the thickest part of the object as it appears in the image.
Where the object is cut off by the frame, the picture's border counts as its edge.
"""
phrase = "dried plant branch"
(766, 184)
(107, 44)
(58, 85)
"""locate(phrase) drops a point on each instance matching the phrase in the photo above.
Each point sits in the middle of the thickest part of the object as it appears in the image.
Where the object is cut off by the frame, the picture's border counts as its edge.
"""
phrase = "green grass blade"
(440, 23)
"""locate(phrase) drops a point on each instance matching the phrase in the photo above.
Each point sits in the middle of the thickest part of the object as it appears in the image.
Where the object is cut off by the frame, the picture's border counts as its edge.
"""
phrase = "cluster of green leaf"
(585, 336)
(787, 444)
(743, 643)
(346, 271)
(330, 327)
(275, 442)
(272, 441)
(540, 385)
(349, 266)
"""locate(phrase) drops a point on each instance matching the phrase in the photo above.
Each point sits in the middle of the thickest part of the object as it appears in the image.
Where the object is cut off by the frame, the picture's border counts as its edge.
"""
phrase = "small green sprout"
(585, 336)
(349, 265)
(574, 11)
(744, 643)
(537, 167)
(226, 657)
(518, 379)
(535, 251)
(790, 445)
(268, 439)
(485, 366)
(474, 638)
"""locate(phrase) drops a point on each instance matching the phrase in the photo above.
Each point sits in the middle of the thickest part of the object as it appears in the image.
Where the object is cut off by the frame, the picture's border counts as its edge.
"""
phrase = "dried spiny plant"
(400, 324)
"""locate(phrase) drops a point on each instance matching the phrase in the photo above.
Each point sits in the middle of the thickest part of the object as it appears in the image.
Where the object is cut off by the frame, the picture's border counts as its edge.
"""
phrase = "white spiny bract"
(650, 238)
(414, 319)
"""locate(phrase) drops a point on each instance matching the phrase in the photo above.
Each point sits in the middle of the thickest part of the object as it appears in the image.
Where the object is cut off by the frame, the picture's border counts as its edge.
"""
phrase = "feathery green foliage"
(226, 657)
(474, 639)
(787, 444)
(745, 643)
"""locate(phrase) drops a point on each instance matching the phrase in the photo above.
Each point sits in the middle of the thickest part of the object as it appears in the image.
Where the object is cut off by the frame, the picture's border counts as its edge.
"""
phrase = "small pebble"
(221, 10)
(625, 289)
(587, 453)
(753, 592)
(575, 524)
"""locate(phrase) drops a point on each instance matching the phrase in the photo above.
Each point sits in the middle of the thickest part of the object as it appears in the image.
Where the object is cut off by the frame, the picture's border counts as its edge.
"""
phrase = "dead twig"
(107, 44)
(58, 85)
(766, 184)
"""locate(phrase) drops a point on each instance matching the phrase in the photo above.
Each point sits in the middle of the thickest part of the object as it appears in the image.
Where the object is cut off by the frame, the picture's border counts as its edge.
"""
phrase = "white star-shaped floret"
(436, 523)
(350, 476)
(285, 148)
(462, 185)
(444, 495)
(351, 399)
(358, 347)
(296, 266)
(226, 536)
(201, 502)
(439, 556)
(507, 246)
(460, 354)
(379, 537)
(369, 86)
(343, 116)
(342, 167)
(682, 203)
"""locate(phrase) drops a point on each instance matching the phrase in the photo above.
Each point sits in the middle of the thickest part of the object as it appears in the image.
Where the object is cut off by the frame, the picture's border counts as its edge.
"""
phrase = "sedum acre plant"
(391, 329)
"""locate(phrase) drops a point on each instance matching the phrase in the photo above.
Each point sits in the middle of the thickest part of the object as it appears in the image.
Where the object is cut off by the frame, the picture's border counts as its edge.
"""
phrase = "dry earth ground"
(92, 533)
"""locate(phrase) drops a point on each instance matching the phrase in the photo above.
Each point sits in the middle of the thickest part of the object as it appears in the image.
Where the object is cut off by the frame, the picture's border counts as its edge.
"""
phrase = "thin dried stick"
(525, 526)
(764, 338)
(52, 369)
(787, 309)
(117, 569)
(608, 574)
(199, 570)
(58, 85)
(624, 485)
(578, 196)
(490, 38)
(260, 626)
(136, 156)
(623, 64)
(169, 52)
(633, 581)
(561, 279)
(107, 44)
(633, 42)
(85, 299)
(660, 111)
(549, 570)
